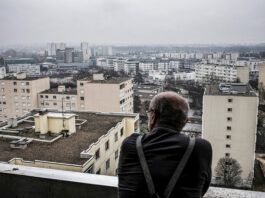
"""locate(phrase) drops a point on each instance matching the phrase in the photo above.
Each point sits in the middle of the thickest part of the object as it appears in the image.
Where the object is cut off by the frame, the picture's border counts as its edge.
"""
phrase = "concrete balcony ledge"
(22, 181)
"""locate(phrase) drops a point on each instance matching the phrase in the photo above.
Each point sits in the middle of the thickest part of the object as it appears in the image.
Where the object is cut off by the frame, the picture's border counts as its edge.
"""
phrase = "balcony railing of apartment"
(31, 182)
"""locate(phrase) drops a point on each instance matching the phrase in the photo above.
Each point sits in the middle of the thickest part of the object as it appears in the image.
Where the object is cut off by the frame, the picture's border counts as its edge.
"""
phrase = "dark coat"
(163, 150)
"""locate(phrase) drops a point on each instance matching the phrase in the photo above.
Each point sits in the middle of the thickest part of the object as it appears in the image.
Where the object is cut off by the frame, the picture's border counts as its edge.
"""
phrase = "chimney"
(98, 76)
(61, 88)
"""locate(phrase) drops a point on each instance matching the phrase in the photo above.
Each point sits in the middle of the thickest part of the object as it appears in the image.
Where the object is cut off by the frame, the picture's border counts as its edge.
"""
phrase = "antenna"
(63, 109)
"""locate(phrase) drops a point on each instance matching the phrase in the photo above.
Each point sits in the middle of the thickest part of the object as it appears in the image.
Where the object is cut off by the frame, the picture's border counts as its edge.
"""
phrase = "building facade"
(19, 95)
(229, 123)
(29, 69)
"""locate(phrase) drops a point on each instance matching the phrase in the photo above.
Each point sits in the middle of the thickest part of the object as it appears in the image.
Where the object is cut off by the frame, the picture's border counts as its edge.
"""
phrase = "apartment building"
(92, 94)
(105, 95)
(77, 141)
(61, 99)
(19, 94)
(2, 72)
(29, 69)
(229, 123)
(207, 73)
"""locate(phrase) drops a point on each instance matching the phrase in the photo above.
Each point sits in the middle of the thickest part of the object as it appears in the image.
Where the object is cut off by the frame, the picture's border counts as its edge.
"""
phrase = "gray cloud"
(132, 21)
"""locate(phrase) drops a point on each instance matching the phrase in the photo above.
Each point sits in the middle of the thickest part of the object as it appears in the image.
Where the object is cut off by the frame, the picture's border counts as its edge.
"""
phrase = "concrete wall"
(243, 129)
(29, 182)
(262, 74)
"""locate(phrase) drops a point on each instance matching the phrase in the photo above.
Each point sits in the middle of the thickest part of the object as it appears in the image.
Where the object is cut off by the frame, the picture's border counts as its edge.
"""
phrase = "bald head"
(168, 108)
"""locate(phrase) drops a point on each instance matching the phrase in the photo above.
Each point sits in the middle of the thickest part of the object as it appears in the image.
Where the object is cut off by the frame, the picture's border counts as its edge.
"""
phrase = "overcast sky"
(135, 22)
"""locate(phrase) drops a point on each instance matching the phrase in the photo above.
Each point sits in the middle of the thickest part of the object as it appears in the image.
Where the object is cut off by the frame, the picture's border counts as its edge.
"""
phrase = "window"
(55, 103)
(4, 109)
(27, 83)
(3, 96)
(2, 83)
(116, 154)
(54, 97)
(228, 137)
(4, 102)
(230, 100)
(229, 119)
(229, 128)
(121, 132)
(81, 84)
(81, 91)
(97, 154)
(116, 137)
(24, 111)
(68, 104)
(73, 98)
(90, 169)
(22, 90)
(107, 145)
(67, 97)
(22, 83)
(28, 90)
(28, 104)
(98, 172)
(46, 96)
(28, 97)
(16, 110)
(107, 164)
(229, 109)
(73, 105)
(23, 104)
(23, 97)
(46, 103)
(3, 89)
(41, 96)
(16, 103)
(82, 98)
(227, 146)
(82, 105)
(14, 83)
(227, 154)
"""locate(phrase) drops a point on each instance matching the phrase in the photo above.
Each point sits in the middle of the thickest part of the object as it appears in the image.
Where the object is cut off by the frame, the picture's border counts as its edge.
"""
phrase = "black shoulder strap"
(179, 169)
(147, 175)
(174, 178)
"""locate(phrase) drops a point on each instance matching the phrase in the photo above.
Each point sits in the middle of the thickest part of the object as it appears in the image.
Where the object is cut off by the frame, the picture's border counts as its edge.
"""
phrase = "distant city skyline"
(125, 22)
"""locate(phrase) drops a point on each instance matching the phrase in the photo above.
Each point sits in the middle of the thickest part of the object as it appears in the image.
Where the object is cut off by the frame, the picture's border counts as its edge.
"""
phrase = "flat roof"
(214, 90)
(29, 78)
(64, 150)
(57, 115)
(111, 80)
(55, 91)
(146, 87)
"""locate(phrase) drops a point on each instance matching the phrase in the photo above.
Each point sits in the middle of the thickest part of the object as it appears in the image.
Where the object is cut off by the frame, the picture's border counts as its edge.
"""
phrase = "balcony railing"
(22, 181)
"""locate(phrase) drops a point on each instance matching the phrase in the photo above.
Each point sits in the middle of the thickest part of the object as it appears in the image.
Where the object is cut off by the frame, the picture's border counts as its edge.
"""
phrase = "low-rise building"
(76, 141)
(147, 92)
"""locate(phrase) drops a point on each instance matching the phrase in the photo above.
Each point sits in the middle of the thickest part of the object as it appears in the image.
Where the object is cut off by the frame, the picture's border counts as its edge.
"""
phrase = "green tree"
(229, 171)
(136, 104)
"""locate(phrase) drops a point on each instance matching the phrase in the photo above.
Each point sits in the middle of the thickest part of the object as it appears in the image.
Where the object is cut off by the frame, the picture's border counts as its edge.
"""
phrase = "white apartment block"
(184, 76)
(18, 95)
(2, 72)
(206, 73)
(131, 67)
(29, 69)
(229, 123)
(52, 47)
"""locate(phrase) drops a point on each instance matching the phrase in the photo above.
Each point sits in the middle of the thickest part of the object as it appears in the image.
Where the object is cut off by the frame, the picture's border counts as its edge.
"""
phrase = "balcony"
(22, 181)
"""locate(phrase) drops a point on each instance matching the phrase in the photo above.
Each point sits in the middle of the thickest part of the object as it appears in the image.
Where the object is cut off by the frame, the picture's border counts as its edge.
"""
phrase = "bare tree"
(229, 171)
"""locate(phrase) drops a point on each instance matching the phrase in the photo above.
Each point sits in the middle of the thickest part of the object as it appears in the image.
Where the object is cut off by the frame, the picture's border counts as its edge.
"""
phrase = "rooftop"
(97, 124)
(55, 91)
(233, 89)
(146, 87)
(111, 80)
(29, 78)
